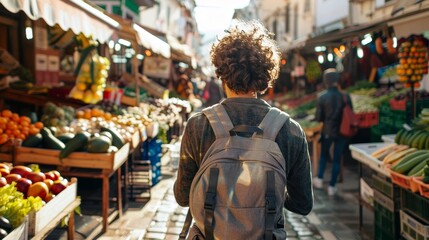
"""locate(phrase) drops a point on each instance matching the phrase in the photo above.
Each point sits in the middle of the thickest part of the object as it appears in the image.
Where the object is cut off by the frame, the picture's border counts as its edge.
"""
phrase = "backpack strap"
(219, 120)
(209, 203)
(270, 207)
(273, 122)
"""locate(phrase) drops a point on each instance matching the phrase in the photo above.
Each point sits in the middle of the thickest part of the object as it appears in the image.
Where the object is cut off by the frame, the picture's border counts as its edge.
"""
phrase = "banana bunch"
(92, 71)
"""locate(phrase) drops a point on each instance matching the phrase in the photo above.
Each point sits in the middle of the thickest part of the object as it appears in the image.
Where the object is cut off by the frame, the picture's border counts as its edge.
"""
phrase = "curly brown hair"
(246, 58)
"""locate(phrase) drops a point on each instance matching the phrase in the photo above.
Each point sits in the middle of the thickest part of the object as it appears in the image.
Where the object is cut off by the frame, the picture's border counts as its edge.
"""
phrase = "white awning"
(76, 15)
(149, 41)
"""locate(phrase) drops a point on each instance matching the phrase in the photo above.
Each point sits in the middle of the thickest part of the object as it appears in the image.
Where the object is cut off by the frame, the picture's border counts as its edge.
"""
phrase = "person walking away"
(213, 92)
(329, 111)
(242, 161)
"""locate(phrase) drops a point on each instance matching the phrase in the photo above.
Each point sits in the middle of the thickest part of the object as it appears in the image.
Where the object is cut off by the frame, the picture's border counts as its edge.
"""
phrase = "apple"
(58, 187)
(48, 183)
(23, 184)
(53, 175)
(36, 177)
(49, 197)
(3, 182)
(4, 172)
(38, 189)
(21, 170)
(50, 175)
(3, 165)
(13, 177)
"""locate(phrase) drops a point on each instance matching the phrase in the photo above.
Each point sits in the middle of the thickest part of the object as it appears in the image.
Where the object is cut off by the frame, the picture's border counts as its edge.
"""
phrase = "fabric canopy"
(76, 15)
(181, 52)
(151, 42)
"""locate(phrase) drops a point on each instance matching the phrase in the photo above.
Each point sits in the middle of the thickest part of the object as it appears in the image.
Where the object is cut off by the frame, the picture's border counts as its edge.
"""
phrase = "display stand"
(69, 210)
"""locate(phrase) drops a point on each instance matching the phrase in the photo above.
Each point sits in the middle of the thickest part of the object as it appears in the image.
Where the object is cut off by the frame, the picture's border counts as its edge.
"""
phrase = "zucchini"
(65, 137)
(410, 164)
(99, 144)
(400, 135)
(32, 140)
(50, 141)
(77, 142)
(418, 169)
(117, 140)
(411, 156)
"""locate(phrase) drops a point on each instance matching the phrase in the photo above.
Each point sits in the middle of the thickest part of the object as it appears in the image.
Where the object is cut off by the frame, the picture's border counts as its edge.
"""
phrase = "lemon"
(76, 94)
(87, 96)
(81, 86)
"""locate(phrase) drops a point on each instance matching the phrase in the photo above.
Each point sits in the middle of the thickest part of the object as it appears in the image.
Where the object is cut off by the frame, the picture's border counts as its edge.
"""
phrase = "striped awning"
(76, 15)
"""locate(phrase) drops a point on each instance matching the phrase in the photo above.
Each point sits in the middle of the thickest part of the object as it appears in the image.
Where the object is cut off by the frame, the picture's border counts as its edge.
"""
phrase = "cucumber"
(411, 156)
(410, 164)
(50, 141)
(418, 169)
(117, 139)
(77, 142)
(32, 140)
(99, 144)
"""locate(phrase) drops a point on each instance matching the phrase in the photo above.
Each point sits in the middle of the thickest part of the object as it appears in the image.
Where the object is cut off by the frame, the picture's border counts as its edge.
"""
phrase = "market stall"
(69, 117)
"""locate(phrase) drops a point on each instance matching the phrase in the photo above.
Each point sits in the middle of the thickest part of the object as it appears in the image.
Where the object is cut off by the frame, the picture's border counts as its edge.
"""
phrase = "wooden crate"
(40, 219)
(19, 233)
(6, 157)
(77, 159)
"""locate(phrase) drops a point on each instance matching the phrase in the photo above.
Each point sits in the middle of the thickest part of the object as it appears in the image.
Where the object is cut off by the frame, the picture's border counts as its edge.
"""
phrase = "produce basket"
(76, 159)
(19, 233)
(423, 187)
(40, 219)
(398, 104)
(413, 229)
(362, 153)
(367, 119)
(404, 181)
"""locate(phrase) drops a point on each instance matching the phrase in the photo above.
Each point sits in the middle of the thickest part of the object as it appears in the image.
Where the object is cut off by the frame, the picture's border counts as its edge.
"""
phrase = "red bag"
(349, 122)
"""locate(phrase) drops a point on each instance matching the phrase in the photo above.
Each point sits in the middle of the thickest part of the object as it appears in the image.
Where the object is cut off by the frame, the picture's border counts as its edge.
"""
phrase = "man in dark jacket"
(329, 111)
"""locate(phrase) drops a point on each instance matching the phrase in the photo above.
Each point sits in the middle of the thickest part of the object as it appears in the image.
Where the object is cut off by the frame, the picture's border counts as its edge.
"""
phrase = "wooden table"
(104, 175)
(85, 165)
(70, 226)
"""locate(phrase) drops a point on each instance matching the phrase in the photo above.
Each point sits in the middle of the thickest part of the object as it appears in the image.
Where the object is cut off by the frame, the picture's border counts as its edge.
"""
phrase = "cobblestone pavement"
(332, 217)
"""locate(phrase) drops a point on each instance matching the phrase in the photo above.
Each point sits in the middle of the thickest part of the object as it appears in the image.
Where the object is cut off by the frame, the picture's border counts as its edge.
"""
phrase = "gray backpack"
(238, 191)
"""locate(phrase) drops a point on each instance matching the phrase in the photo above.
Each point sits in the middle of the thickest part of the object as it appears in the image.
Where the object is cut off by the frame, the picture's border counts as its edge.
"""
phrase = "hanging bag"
(349, 121)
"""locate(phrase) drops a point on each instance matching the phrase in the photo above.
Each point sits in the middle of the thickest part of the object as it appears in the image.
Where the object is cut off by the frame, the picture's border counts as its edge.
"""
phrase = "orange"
(3, 138)
(80, 113)
(3, 120)
(11, 126)
(24, 119)
(15, 117)
(21, 136)
(1, 131)
(6, 113)
(33, 130)
(38, 125)
(24, 123)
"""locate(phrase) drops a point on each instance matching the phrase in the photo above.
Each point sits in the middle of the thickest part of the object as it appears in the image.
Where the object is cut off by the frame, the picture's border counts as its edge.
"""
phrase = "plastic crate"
(386, 217)
(423, 187)
(415, 204)
(367, 119)
(404, 181)
(412, 229)
(398, 104)
(386, 187)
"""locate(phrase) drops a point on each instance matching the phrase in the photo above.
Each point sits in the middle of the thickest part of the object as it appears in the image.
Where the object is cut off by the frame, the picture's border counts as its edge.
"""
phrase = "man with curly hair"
(247, 61)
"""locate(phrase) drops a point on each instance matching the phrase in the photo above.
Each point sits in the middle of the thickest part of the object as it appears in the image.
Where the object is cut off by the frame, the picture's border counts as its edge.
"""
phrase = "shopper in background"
(329, 111)
(247, 62)
(213, 92)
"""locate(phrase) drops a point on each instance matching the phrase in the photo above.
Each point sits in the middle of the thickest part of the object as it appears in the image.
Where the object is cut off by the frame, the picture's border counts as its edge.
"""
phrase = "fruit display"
(413, 60)
(57, 116)
(14, 126)
(91, 71)
(313, 71)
